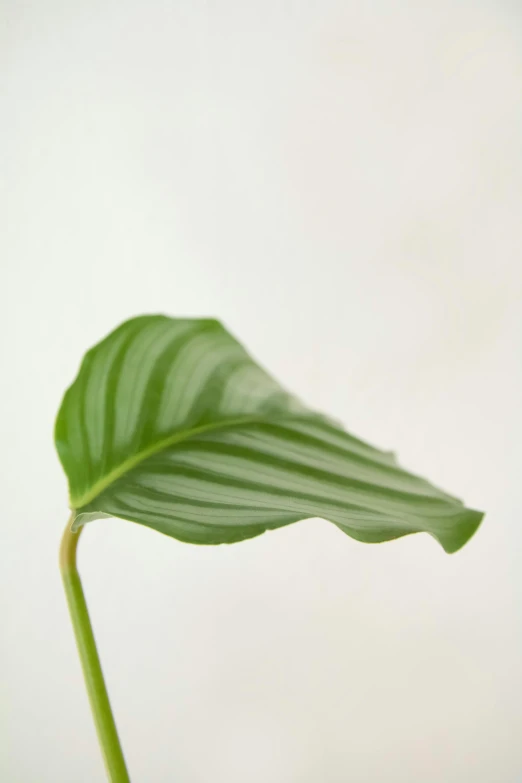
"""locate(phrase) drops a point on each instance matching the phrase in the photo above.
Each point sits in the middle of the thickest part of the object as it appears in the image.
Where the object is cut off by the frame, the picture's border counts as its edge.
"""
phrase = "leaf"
(171, 424)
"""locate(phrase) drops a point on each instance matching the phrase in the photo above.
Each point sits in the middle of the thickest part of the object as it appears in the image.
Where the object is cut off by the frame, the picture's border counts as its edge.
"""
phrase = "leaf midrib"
(178, 437)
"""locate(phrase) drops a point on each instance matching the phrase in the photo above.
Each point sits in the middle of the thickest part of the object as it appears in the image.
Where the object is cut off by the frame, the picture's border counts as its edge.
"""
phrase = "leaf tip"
(460, 533)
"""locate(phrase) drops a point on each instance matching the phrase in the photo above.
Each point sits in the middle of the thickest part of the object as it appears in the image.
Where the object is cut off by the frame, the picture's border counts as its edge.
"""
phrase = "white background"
(341, 184)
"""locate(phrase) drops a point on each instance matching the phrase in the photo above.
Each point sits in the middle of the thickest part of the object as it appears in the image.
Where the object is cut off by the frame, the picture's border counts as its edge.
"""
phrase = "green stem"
(100, 704)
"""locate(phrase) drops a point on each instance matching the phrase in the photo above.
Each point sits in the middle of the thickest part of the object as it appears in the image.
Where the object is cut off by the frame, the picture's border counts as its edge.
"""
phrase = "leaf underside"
(171, 424)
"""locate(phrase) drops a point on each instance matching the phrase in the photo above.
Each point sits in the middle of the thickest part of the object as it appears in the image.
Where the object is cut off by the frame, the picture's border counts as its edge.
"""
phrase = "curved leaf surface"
(171, 424)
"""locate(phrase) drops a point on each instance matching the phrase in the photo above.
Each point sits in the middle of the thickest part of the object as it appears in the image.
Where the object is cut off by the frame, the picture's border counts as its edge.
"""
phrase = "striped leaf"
(171, 424)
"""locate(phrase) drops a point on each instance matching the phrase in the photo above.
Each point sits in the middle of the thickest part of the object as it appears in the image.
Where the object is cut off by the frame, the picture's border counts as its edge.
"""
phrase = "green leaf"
(171, 424)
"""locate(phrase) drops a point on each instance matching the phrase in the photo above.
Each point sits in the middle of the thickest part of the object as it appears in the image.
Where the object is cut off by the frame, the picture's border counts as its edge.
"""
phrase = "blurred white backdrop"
(341, 184)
